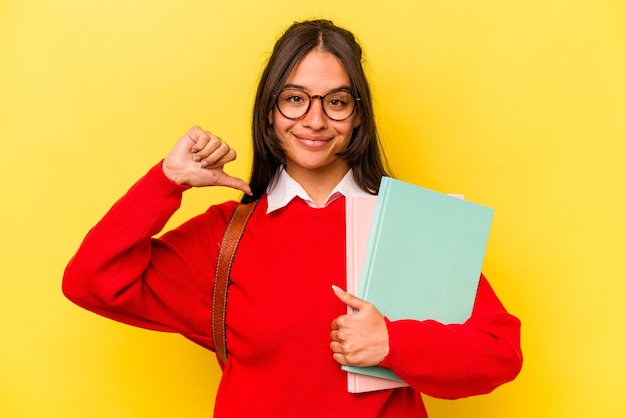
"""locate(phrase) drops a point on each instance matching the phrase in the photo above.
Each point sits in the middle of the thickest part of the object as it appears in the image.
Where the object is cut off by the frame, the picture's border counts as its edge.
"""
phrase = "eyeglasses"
(337, 104)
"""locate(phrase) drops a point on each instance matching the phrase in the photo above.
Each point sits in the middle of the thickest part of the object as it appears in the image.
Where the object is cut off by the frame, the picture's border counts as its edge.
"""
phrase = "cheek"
(280, 125)
(347, 131)
(277, 122)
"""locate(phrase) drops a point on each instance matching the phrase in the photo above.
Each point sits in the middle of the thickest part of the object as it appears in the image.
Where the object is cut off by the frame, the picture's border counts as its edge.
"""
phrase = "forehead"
(318, 72)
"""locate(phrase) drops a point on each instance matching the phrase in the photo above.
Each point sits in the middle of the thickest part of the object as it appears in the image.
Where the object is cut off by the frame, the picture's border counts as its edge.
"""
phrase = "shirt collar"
(284, 189)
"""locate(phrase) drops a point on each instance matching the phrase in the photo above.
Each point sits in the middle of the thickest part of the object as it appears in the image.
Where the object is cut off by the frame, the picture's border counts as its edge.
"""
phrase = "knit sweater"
(280, 307)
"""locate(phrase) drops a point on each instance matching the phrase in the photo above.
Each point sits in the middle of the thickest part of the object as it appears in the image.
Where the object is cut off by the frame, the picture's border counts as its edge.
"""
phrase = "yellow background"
(521, 105)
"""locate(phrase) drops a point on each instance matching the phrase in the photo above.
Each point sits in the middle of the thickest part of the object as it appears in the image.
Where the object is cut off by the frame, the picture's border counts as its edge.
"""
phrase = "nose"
(315, 118)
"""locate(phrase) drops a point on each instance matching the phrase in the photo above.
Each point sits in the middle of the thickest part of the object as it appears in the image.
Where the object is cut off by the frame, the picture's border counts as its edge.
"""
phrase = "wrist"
(171, 174)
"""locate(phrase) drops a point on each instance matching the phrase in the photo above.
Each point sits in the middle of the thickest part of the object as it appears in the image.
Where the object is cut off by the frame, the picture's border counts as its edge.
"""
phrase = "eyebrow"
(299, 87)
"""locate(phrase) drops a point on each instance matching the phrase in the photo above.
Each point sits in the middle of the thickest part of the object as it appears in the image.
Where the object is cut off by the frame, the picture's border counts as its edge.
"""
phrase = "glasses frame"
(317, 96)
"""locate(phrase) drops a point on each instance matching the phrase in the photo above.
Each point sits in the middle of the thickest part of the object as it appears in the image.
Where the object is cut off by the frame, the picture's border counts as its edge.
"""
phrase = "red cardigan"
(280, 307)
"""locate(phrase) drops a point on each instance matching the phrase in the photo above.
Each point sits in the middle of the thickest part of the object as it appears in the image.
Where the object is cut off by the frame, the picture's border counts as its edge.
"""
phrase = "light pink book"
(359, 215)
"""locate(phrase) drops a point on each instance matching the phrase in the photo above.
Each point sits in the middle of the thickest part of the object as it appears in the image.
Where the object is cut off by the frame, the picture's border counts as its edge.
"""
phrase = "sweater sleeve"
(458, 360)
(122, 272)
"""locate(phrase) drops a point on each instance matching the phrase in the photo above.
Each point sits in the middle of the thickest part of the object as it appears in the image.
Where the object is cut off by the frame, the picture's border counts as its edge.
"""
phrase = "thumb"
(237, 183)
(349, 299)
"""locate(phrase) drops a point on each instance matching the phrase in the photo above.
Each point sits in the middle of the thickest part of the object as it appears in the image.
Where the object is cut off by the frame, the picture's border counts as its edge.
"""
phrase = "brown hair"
(364, 153)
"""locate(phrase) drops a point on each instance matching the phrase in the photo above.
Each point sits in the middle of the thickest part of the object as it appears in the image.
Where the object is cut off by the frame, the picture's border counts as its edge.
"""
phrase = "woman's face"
(311, 142)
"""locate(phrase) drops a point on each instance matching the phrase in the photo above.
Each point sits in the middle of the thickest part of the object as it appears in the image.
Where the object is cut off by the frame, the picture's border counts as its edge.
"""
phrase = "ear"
(270, 117)
(356, 121)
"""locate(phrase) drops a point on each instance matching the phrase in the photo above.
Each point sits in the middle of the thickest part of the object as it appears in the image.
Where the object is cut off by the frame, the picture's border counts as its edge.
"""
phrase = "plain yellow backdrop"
(520, 105)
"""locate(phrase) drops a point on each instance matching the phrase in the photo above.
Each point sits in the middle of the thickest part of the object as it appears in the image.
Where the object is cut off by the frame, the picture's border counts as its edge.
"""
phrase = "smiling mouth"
(312, 142)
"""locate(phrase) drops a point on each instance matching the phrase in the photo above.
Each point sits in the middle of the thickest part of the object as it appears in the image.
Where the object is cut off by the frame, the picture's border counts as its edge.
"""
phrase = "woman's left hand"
(361, 338)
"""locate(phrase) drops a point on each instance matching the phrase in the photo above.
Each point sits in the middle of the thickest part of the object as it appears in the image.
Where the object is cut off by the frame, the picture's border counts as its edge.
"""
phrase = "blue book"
(424, 257)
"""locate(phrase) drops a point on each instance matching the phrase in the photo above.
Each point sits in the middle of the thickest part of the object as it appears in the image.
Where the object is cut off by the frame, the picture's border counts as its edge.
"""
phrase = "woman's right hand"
(198, 160)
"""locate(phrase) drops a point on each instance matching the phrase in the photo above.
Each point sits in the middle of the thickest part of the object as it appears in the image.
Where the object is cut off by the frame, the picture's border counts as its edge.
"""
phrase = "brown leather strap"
(233, 233)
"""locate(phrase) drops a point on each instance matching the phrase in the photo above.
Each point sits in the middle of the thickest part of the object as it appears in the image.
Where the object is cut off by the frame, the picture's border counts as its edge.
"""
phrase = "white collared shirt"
(284, 188)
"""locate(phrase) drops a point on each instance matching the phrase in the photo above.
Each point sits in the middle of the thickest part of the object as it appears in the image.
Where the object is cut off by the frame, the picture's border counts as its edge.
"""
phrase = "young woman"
(315, 142)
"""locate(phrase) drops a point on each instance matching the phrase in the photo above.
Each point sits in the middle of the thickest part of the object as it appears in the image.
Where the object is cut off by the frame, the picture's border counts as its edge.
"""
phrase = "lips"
(312, 141)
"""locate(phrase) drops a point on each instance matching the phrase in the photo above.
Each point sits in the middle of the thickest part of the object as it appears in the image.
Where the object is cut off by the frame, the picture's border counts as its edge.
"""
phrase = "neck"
(319, 182)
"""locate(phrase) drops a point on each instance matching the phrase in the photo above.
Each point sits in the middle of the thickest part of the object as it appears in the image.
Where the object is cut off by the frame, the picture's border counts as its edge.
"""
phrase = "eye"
(336, 103)
(293, 98)
(338, 100)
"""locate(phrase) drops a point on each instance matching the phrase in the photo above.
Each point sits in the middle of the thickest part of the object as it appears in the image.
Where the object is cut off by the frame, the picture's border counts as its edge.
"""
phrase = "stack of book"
(415, 254)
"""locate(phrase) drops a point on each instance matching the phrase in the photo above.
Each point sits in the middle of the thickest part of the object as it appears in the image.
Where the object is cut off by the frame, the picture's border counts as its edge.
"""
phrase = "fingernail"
(196, 158)
(337, 290)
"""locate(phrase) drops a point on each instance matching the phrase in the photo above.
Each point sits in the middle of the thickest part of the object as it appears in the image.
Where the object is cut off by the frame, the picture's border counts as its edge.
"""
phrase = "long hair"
(364, 153)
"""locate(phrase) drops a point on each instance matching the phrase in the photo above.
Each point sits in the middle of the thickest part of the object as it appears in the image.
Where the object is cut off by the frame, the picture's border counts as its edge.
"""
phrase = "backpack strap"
(233, 234)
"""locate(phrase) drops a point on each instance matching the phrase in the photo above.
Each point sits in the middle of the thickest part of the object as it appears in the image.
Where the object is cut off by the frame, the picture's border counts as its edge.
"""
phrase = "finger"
(334, 336)
(214, 149)
(349, 299)
(199, 137)
(338, 354)
(339, 358)
(220, 157)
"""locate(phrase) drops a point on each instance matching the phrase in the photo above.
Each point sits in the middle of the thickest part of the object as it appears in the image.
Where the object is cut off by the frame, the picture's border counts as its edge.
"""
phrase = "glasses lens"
(294, 104)
(339, 105)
